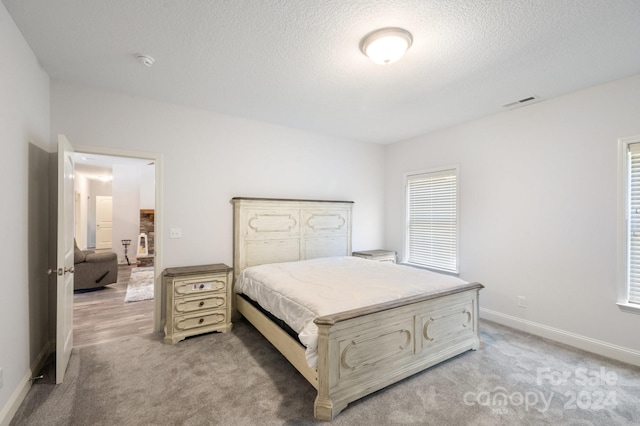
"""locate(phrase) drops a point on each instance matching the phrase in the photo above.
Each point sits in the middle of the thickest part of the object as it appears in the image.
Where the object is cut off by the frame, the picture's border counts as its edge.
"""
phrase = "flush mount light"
(145, 60)
(386, 45)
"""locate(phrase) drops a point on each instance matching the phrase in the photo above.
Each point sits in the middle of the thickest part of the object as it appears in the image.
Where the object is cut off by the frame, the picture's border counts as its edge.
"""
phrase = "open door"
(66, 211)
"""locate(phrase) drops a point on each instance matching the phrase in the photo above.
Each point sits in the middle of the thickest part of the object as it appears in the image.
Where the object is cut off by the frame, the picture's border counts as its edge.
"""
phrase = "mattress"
(299, 292)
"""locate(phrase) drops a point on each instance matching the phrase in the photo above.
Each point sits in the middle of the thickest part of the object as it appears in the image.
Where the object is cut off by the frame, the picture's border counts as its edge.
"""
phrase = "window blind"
(432, 220)
(633, 237)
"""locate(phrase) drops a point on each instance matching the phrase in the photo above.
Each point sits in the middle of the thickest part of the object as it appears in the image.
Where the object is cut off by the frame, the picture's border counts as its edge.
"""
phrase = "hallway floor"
(101, 315)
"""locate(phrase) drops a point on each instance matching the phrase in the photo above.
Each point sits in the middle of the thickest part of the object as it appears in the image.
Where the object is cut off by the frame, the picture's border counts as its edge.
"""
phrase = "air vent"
(522, 102)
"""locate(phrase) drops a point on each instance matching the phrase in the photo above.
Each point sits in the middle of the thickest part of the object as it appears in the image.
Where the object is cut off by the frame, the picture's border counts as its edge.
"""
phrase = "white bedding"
(299, 292)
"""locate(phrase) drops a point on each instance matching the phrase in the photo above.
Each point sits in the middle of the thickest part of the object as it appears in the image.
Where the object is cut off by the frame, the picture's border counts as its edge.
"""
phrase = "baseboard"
(10, 409)
(599, 347)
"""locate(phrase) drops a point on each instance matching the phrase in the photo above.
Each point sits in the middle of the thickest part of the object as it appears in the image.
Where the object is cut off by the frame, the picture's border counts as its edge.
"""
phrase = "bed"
(359, 350)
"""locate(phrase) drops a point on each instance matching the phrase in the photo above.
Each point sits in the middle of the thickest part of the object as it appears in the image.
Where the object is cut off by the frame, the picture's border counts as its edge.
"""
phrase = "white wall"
(147, 187)
(538, 211)
(126, 209)
(139, 178)
(24, 119)
(208, 158)
(82, 187)
(96, 188)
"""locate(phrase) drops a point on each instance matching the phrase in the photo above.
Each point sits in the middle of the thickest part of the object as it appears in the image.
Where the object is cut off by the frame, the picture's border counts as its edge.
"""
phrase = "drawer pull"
(201, 303)
(201, 286)
(201, 320)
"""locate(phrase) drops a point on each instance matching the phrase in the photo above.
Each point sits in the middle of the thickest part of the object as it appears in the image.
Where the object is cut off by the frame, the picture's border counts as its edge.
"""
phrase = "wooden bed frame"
(362, 350)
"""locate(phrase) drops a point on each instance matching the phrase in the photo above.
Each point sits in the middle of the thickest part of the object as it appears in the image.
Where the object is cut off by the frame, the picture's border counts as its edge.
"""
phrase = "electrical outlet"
(522, 302)
(175, 233)
(1, 379)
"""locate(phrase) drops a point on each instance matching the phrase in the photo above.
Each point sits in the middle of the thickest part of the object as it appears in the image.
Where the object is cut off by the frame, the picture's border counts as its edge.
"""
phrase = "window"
(432, 219)
(630, 291)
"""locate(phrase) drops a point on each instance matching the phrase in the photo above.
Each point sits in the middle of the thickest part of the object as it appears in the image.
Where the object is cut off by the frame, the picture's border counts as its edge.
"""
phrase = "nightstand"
(198, 300)
(377, 255)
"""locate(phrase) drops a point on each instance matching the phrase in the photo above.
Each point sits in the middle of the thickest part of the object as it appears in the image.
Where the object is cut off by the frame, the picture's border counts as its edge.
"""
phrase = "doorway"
(125, 168)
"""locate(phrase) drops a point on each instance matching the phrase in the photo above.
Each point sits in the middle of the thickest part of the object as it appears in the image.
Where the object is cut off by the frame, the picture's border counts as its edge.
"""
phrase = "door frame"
(80, 238)
(158, 262)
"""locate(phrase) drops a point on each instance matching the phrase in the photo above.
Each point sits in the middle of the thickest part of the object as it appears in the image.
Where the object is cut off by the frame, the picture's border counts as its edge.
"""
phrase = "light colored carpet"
(140, 285)
(238, 378)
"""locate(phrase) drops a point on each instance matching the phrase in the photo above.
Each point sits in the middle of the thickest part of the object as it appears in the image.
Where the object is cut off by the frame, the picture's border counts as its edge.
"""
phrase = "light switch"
(175, 233)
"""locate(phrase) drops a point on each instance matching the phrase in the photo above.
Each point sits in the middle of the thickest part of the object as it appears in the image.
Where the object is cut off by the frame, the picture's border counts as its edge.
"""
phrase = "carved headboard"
(269, 230)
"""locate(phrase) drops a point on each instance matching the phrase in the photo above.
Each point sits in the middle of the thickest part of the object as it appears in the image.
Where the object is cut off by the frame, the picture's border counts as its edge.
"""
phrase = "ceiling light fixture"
(145, 60)
(386, 45)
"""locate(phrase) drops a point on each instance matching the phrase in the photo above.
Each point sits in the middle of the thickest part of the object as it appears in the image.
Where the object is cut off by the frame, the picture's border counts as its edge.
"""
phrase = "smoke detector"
(145, 60)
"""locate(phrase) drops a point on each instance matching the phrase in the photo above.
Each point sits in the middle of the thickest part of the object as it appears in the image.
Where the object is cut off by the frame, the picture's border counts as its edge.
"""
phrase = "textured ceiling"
(297, 62)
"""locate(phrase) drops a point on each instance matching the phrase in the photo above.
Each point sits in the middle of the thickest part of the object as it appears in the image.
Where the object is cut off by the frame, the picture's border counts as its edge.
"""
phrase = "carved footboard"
(364, 350)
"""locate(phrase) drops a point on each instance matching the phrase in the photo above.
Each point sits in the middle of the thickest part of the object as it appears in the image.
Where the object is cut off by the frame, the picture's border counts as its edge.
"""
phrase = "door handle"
(61, 271)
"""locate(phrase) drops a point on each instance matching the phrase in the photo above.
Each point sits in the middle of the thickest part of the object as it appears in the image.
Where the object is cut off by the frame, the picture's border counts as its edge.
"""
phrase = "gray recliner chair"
(93, 269)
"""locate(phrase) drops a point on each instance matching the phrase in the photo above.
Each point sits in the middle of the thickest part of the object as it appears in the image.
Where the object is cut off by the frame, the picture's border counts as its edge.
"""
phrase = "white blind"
(432, 220)
(634, 223)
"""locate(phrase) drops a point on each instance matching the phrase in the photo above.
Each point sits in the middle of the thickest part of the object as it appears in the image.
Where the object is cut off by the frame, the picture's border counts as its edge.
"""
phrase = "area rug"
(140, 285)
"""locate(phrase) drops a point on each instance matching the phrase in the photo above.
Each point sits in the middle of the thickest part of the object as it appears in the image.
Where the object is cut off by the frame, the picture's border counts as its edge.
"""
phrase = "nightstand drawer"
(200, 285)
(192, 322)
(191, 304)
